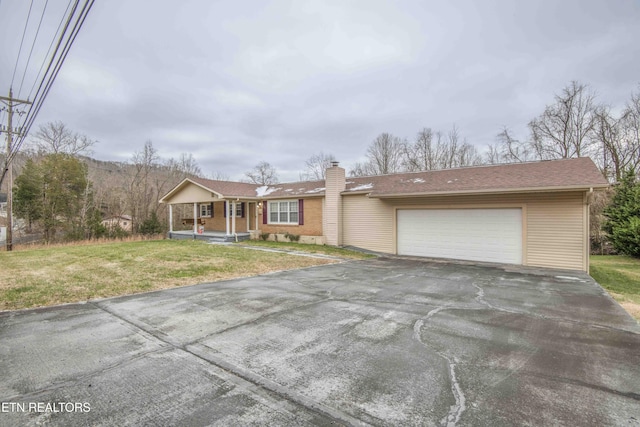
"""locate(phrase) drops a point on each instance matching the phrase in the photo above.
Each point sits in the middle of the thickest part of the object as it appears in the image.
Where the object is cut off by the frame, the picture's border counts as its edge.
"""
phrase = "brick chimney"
(335, 184)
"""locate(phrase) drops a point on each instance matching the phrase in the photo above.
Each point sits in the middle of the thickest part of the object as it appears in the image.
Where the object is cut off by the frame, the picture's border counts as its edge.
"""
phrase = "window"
(283, 212)
(205, 210)
(239, 213)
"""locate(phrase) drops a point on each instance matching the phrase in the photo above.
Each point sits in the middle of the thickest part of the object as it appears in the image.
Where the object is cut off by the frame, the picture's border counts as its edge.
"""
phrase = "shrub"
(292, 237)
(264, 236)
(151, 225)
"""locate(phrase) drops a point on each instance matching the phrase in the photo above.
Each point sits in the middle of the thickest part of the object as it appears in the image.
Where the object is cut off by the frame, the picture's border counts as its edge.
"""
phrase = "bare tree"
(564, 129)
(56, 138)
(618, 138)
(607, 136)
(432, 151)
(185, 166)
(425, 153)
(361, 169)
(385, 155)
(458, 152)
(631, 129)
(263, 173)
(141, 192)
(218, 176)
(509, 149)
(317, 166)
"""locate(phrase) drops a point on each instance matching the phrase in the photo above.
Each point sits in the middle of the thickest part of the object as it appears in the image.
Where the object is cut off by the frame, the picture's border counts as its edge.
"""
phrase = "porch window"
(283, 212)
(206, 210)
(239, 213)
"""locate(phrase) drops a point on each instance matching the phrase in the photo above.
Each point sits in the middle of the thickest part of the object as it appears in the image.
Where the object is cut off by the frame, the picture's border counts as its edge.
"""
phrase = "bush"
(151, 225)
(292, 237)
(117, 232)
(626, 237)
(264, 236)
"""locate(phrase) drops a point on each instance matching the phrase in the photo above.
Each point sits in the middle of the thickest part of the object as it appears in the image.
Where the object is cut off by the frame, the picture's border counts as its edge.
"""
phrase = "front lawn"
(620, 276)
(64, 274)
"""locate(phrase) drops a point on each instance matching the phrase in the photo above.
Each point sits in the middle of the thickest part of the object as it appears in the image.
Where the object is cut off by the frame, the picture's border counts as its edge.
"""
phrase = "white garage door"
(491, 235)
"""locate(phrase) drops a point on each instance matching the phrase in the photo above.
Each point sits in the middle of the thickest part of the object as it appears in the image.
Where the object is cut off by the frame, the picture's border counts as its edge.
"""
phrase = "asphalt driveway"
(382, 342)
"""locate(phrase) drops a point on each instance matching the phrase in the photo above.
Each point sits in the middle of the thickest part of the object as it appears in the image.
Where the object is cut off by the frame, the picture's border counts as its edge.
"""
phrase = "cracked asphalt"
(375, 342)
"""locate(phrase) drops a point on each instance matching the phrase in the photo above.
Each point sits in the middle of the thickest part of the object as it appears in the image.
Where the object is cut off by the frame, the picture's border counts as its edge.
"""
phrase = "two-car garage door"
(491, 235)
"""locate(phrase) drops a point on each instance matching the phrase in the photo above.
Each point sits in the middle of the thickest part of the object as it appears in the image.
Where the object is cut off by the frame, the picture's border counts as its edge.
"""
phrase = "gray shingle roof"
(548, 175)
(545, 175)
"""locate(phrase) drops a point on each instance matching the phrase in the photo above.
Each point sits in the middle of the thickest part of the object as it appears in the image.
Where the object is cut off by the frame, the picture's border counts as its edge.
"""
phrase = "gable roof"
(245, 190)
(549, 175)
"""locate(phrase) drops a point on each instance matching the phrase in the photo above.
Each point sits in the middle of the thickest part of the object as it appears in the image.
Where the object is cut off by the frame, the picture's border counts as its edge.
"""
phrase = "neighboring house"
(534, 214)
(122, 221)
(3, 205)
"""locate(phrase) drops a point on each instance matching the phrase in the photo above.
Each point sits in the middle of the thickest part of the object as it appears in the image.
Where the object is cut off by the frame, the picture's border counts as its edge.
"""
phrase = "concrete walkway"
(379, 342)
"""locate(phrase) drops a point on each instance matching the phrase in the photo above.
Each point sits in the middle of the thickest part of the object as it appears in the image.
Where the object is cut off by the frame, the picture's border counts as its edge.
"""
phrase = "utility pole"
(10, 102)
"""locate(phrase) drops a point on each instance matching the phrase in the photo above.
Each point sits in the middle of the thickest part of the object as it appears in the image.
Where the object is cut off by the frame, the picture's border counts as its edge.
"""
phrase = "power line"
(21, 42)
(35, 38)
(58, 56)
(53, 40)
(38, 101)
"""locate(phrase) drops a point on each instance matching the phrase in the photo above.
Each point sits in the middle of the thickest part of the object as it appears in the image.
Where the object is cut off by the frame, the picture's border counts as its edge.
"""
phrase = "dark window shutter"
(264, 212)
(242, 209)
(211, 209)
(300, 211)
(225, 209)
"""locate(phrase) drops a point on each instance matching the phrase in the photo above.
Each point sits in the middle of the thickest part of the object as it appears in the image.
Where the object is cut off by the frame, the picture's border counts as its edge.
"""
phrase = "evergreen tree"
(27, 193)
(53, 193)
(623, 216)
(151, 225)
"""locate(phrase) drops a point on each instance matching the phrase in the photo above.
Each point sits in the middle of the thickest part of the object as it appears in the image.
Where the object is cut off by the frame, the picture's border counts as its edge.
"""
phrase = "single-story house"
(124, 222)
(534, 214)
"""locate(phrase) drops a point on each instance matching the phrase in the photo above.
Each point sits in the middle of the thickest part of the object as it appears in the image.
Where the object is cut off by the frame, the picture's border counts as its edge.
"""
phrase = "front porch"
(210, 236)
(227, 218)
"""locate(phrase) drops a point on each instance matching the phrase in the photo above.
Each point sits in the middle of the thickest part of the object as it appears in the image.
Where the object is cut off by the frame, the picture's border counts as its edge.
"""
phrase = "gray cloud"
(235, 83)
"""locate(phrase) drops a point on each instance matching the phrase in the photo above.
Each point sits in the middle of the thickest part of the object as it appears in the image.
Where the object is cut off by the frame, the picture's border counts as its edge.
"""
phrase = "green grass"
(63, 274)
(620, 276)
(315, 249)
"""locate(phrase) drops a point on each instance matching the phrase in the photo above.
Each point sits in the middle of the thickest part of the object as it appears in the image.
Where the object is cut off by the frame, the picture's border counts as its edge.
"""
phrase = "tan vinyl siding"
(555, 234)
(554, 224)
(368, 223)
(192, 193)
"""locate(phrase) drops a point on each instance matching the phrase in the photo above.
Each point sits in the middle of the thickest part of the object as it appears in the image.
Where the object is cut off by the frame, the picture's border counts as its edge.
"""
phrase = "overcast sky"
(238, 82)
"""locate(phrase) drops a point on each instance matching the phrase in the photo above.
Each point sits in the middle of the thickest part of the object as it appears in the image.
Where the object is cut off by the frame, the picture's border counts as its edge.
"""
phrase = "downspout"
(589, 199)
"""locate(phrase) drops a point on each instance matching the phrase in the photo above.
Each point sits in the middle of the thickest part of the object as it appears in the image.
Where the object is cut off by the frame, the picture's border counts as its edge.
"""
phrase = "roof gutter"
(488, 191)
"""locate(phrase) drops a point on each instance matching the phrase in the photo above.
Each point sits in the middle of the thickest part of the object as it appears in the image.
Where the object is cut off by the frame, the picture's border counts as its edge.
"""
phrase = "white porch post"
(247, 214)
(170, 218)
(233, 218)
(257, 215)
(195, 218)
(228, 217)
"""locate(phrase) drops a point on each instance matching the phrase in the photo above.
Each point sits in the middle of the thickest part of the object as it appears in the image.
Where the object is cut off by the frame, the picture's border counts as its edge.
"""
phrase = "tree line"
(575, 124)
(66, 195)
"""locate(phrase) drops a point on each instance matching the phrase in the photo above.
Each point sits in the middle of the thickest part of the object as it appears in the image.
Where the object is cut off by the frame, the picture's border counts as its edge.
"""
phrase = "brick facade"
(312, 221)
(219, 221)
